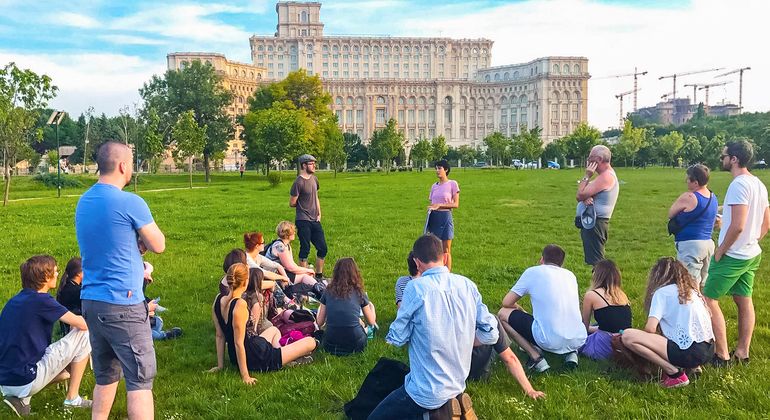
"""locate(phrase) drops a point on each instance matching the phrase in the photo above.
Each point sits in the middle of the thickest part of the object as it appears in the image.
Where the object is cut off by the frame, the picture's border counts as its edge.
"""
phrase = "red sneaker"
(676, 382)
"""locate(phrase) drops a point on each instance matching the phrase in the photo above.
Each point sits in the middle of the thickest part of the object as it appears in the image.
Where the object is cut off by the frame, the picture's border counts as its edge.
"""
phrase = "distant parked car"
(553, 165)
(761, 164)
(531, 165)
(516, 163)
(480, 165)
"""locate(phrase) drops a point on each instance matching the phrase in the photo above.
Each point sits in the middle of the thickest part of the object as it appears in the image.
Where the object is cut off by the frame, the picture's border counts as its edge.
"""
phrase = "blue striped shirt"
(440, 315)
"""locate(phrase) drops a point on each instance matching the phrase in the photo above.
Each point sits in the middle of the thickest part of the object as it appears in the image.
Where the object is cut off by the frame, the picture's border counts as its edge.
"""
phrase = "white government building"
(431, 86)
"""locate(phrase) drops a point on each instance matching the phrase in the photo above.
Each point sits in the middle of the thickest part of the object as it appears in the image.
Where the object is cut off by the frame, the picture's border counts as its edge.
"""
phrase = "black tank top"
(613, 318)
(260, 354)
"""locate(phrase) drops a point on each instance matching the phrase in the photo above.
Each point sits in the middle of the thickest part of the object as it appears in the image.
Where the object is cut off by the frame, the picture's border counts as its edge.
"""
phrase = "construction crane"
(675, 75)
(695, 87)
(666, 95)
(740, 83)
(620, 96)
(710, 85)
(635, 74)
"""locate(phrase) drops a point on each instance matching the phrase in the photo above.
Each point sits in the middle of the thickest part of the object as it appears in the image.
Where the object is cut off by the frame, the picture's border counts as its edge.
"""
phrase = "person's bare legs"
(303, 263)
(652, 347)
(447, 244)
(319, 265)
(746, 320)
(272, 335)
(104, 396)
(719, 327)
(305, 279)
(76, 370)
(503, 315)
(140, 405)
(297, 349)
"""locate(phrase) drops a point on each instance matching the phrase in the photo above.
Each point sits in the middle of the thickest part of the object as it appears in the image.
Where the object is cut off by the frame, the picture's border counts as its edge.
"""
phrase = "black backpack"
(386, 376)
(270, 245)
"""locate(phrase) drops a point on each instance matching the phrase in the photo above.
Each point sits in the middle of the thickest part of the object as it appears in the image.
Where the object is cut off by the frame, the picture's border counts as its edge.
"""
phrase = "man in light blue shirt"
(108, 222)
(440, 315)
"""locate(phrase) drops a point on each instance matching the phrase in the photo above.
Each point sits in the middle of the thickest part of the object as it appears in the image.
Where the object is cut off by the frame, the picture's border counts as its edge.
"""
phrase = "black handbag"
(674, 227)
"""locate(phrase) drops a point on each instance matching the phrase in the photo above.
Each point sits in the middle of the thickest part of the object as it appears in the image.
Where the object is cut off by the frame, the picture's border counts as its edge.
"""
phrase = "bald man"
(108, 221)
(601, 193)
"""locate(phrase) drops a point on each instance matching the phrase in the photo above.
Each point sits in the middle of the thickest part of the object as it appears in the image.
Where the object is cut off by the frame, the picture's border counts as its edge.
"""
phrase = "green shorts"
(731, 276)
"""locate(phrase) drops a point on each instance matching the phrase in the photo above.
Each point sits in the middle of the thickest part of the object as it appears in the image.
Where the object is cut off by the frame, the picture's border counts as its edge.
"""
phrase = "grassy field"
(504, 220)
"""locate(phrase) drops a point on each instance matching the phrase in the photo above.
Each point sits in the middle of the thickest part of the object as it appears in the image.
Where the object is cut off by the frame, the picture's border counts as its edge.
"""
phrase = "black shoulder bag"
(674, 227)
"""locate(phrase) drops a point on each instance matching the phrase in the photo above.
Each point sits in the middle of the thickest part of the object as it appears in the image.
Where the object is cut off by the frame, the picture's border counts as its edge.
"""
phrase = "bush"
(274, 178)
(50, 180)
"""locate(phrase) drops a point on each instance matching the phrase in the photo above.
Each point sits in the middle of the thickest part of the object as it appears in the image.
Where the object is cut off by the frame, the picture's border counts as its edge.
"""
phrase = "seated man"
(28, 360)
(557, 325)
(440, 315)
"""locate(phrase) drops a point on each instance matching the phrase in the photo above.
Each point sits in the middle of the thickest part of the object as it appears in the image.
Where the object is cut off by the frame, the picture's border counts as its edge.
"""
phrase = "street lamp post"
(56, 118)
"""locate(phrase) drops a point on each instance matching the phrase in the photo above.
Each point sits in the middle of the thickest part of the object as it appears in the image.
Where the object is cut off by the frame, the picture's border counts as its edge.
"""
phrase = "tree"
(276, 134)
(354, 149)
(712, 149)
(630, 141)
(529, 144)
(497, 145)
(334, 146)
(22, 94)
(691, 150)
(554, 150)
(466, 154)
(580, 142)
(198, 88)
(152, 141)
(669, 146)
(421, 152)
(386, 143)
(438, 147)
(190, 139)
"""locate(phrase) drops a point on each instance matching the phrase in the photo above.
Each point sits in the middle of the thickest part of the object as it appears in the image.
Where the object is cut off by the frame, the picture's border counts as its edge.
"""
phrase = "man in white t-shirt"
(745, 222)
(555, 324)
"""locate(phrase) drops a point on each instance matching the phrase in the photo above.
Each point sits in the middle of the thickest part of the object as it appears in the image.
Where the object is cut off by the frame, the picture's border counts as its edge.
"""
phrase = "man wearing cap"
(596, 201)
(304, 197)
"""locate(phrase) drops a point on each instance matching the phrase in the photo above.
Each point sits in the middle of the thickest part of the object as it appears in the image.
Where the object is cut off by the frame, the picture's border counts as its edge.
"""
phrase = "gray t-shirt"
(307, 203)
(343, 312)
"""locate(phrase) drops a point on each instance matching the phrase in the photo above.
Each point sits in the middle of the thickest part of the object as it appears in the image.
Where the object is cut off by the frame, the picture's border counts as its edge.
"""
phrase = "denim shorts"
(440, 223)
(121, 341)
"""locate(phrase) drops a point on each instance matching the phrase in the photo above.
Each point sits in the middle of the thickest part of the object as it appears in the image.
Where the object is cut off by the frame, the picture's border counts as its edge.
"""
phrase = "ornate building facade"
(431, 86)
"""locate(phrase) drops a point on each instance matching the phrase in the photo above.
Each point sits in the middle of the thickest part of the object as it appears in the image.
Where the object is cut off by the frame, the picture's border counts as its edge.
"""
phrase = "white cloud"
(104, 81)
(75, 20)
(130, 40)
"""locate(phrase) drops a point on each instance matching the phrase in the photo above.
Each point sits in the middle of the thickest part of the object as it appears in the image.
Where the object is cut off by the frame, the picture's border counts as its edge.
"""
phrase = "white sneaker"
(539, 365)
(78, 402)
(571, 360)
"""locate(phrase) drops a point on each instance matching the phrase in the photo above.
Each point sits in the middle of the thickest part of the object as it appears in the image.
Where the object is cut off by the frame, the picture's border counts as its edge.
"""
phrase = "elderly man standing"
(108, 222)
(596, 201)
(440, 317)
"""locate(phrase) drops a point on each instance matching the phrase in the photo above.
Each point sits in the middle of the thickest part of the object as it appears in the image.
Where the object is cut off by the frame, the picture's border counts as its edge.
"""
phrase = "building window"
(411, 117)
(380, 113)
(421, 115)
(432, 116)
(339, 116)
(401, 116)
(359, 116)
(349, 117)
(411, 133)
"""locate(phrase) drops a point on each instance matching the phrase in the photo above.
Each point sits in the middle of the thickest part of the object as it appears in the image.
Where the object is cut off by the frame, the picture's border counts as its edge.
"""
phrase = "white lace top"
(682, 324)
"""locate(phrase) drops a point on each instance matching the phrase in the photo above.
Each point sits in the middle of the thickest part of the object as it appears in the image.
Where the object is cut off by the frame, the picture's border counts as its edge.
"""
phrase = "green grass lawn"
(504, 220)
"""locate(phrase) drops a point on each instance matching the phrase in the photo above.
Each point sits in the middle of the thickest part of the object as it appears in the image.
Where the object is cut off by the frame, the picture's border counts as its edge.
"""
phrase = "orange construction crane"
(695, 87)
(740, 83)
(710, 85)
(635, 74)
(620, 96)
(675, 75)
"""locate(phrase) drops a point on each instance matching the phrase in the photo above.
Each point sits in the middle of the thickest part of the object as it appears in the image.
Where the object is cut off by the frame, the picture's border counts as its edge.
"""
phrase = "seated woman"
(340, 306)
(608, 304)
(257, 302)
(233, 257)
(260, 353)
(255, 244)
(68, 294)
(280, 252)
(675, 304)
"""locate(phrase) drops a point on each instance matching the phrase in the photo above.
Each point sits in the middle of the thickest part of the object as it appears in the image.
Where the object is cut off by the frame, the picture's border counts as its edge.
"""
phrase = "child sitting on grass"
(156, 322)
(28, 360)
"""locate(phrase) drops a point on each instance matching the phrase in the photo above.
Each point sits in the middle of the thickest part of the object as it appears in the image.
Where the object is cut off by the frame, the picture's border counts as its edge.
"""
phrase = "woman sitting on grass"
(255, 243)
(260, 353)
(255, 297)
(235, 256)
(280, 252)
(608, 304)
(675, 304)
(340, 307)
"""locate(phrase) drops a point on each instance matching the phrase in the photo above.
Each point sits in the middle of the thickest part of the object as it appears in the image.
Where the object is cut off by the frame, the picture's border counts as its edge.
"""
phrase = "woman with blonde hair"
(261, 353)
(340, 306)
(606, 302)
(676, 306)
(280, 251)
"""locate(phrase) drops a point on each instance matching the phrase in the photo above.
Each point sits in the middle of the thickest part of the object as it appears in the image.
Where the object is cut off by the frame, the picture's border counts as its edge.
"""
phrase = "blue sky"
(100, 52)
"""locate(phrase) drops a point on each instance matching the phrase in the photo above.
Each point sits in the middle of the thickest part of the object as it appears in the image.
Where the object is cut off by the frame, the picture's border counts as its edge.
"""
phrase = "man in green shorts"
(745, 222)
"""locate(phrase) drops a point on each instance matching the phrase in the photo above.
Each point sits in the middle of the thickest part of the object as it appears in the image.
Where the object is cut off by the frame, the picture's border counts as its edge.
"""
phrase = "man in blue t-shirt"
(107, 222)
(28, 360)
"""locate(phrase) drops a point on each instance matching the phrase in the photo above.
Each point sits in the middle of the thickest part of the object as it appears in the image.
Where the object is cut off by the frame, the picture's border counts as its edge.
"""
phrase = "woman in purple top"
(444, 196)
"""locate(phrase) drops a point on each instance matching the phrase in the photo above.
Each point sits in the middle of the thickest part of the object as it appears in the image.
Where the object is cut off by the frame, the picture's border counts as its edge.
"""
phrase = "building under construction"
(680, 110)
